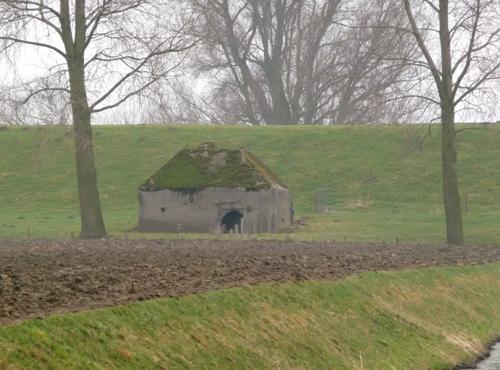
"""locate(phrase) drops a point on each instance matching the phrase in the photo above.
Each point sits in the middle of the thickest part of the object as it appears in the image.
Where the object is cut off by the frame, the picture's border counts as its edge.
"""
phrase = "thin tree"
(106, 52)
(462, 55)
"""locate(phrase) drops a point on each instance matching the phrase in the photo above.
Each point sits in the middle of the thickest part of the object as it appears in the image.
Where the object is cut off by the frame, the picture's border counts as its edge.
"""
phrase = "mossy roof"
(208, 166)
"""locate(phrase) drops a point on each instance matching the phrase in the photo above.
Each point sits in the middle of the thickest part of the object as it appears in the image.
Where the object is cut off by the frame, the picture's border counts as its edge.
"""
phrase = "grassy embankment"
(423, 319)
(383, 185)
(383, 181)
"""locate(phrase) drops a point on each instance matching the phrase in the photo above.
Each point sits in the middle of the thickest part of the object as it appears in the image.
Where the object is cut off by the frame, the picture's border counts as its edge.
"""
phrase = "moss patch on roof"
(208, 166)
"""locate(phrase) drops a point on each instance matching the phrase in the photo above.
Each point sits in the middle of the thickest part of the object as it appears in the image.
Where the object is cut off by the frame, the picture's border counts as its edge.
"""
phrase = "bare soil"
(39, 277)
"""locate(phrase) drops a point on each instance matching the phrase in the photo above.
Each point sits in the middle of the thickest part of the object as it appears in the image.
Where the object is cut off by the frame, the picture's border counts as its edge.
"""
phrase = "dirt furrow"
(39, 277)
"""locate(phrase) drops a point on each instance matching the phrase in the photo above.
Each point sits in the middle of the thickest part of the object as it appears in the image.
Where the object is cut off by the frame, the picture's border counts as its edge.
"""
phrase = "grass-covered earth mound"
(376, 183)
(209, 166)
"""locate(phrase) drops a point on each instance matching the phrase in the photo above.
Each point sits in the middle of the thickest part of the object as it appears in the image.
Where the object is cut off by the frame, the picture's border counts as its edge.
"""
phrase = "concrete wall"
(202, 211)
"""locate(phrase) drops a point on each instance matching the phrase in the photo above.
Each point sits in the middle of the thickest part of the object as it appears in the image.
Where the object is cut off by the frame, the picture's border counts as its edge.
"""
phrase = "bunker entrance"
(231, 222)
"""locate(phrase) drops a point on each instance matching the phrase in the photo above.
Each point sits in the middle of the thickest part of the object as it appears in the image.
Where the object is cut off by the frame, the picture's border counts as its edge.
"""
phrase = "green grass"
(422, 319)
(381, 183)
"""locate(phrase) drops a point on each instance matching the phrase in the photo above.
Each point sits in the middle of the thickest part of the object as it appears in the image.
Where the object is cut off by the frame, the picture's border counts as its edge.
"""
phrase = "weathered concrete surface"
(266, 210)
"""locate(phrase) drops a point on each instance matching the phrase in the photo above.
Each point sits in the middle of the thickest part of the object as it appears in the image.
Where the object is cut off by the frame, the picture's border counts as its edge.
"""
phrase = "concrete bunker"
(209, 189)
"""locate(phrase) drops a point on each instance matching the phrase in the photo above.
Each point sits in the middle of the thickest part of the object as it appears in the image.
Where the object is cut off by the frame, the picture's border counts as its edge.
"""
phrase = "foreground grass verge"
(421, 319)
(379, 182)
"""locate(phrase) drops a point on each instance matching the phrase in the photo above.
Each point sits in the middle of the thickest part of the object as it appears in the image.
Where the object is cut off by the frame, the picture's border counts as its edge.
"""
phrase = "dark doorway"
(231, 222)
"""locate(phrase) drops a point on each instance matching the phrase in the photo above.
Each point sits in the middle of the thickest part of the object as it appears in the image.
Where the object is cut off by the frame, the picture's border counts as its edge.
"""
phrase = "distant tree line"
(304, 61)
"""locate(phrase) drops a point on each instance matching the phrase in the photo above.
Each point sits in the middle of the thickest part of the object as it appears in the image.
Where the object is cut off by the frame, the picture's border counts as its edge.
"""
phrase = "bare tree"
(47, 108)
(367, 67)
(105, 52)
(177, 101)
(460, 47)
(303, 61)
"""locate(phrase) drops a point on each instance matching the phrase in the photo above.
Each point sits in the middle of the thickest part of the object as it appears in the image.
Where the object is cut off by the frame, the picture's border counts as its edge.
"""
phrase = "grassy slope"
(381, 184)
(424, 319)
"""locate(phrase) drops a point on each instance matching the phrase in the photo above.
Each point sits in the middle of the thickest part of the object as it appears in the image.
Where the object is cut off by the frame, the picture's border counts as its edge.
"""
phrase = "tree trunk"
(454, 224)
(274, 69)
(92, 223)
(451, 194)
(281, 107)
